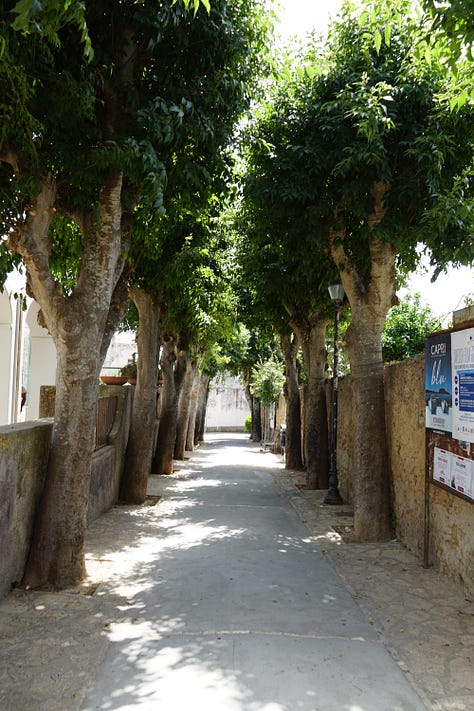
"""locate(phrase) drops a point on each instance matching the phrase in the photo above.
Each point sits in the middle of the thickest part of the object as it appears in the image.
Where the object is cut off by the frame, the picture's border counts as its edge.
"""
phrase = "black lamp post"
(336, 292)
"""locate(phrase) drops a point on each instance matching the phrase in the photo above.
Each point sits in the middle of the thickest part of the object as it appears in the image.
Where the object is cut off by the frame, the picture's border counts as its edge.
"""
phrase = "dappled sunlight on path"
(216, 598)
(224, 591)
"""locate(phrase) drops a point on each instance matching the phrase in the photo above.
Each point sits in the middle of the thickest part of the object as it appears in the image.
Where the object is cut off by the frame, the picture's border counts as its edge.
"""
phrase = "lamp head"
(336, 292)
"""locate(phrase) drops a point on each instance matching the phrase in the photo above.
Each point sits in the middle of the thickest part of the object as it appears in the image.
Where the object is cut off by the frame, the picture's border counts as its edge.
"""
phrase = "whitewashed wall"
(41, 362)
(6, 357)
(227, 407)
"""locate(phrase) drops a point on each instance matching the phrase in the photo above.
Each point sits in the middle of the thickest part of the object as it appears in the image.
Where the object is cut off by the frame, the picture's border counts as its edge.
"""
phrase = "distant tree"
(267, 385)
(405, 329)
(267, 381)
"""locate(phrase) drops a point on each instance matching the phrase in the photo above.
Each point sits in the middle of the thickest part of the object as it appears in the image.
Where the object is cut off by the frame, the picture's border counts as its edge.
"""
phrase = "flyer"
(462, 350)
(442, 464)
(462, 475)
(438, 384)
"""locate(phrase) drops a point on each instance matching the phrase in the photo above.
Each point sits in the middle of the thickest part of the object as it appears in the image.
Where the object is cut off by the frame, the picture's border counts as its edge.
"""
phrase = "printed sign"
(461, 475)
(462, 349)
(438, 384)
(442, 464)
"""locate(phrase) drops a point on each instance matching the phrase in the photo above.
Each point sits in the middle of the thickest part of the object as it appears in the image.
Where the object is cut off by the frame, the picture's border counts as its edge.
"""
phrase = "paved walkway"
(220, 598)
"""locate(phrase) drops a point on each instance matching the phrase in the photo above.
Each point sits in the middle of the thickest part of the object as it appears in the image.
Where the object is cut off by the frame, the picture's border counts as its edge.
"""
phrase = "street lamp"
(336, 292)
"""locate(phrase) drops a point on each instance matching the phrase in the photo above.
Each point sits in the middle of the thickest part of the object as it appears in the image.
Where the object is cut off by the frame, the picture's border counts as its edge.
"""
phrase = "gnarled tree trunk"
(81, 326)
(139, 452)
(370, 301)
(184, 407)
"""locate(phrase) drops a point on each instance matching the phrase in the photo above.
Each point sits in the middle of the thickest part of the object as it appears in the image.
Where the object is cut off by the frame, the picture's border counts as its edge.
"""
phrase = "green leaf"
(377, 40)
(363, 17)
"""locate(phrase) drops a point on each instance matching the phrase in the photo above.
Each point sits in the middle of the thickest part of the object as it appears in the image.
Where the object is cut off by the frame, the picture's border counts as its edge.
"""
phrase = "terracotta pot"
(113, 379)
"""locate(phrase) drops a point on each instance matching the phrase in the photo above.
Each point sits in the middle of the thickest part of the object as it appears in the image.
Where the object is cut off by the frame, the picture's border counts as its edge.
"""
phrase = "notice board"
(449, 410)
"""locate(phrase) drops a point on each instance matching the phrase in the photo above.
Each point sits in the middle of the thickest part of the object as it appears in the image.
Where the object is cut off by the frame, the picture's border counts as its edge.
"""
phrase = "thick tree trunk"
(139, 452)
(370, 460)
(369, 307)
(79, 325)
(184, 408)
(202, 407)
(57, 551)
(293, 458)
(311, 331)
(193, 413)
(163, 460)
(316, 423)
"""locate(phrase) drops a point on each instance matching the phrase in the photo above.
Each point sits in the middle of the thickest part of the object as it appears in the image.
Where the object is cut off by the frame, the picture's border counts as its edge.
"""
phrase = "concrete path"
(214, 599)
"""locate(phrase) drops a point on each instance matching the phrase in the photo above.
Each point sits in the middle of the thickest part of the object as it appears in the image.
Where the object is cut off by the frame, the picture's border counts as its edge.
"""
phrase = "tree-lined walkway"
(214, 598)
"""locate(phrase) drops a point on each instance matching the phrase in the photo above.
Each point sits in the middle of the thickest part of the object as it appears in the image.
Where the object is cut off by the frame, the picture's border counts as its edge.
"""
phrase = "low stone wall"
(451, 520)
(24, 452)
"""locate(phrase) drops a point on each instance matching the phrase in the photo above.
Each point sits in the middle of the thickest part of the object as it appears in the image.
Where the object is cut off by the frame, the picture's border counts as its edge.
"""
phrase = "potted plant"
(113, 379)
(129, 371)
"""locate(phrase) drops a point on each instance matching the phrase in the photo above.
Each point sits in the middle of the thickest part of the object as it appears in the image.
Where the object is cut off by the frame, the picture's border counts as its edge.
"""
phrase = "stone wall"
(451, 519)
(24, 451)
(405, 417)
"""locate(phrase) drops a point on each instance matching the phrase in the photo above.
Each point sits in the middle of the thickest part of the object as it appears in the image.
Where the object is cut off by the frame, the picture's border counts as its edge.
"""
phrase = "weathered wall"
(102, 493)
(451, 520)
(227, 406)
(24, 451)
(405, 417)
(452, 536)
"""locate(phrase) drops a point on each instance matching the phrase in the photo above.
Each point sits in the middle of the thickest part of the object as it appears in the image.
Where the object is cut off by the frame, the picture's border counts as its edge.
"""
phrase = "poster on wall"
(461, 475)
(462, 350)
(442, 465)
(438, 384)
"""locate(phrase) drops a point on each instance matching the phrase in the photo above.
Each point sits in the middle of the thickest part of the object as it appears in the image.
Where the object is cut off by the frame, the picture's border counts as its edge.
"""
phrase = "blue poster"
(462, 347)
(438, 384)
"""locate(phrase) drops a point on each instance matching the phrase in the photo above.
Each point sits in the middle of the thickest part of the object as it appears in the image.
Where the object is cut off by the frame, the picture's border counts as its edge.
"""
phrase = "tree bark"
(78, 324)
(256, 434)
(311, 331)
(184, 407)
(370, 303)
(193, 412)
(202, 406)
(139, 452)
(255, 412)
(293, 456)
(163, 460)
(316, 439)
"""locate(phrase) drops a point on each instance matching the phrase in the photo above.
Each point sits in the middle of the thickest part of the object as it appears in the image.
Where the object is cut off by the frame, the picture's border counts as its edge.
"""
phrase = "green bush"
(406, 327)
(248, 424)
